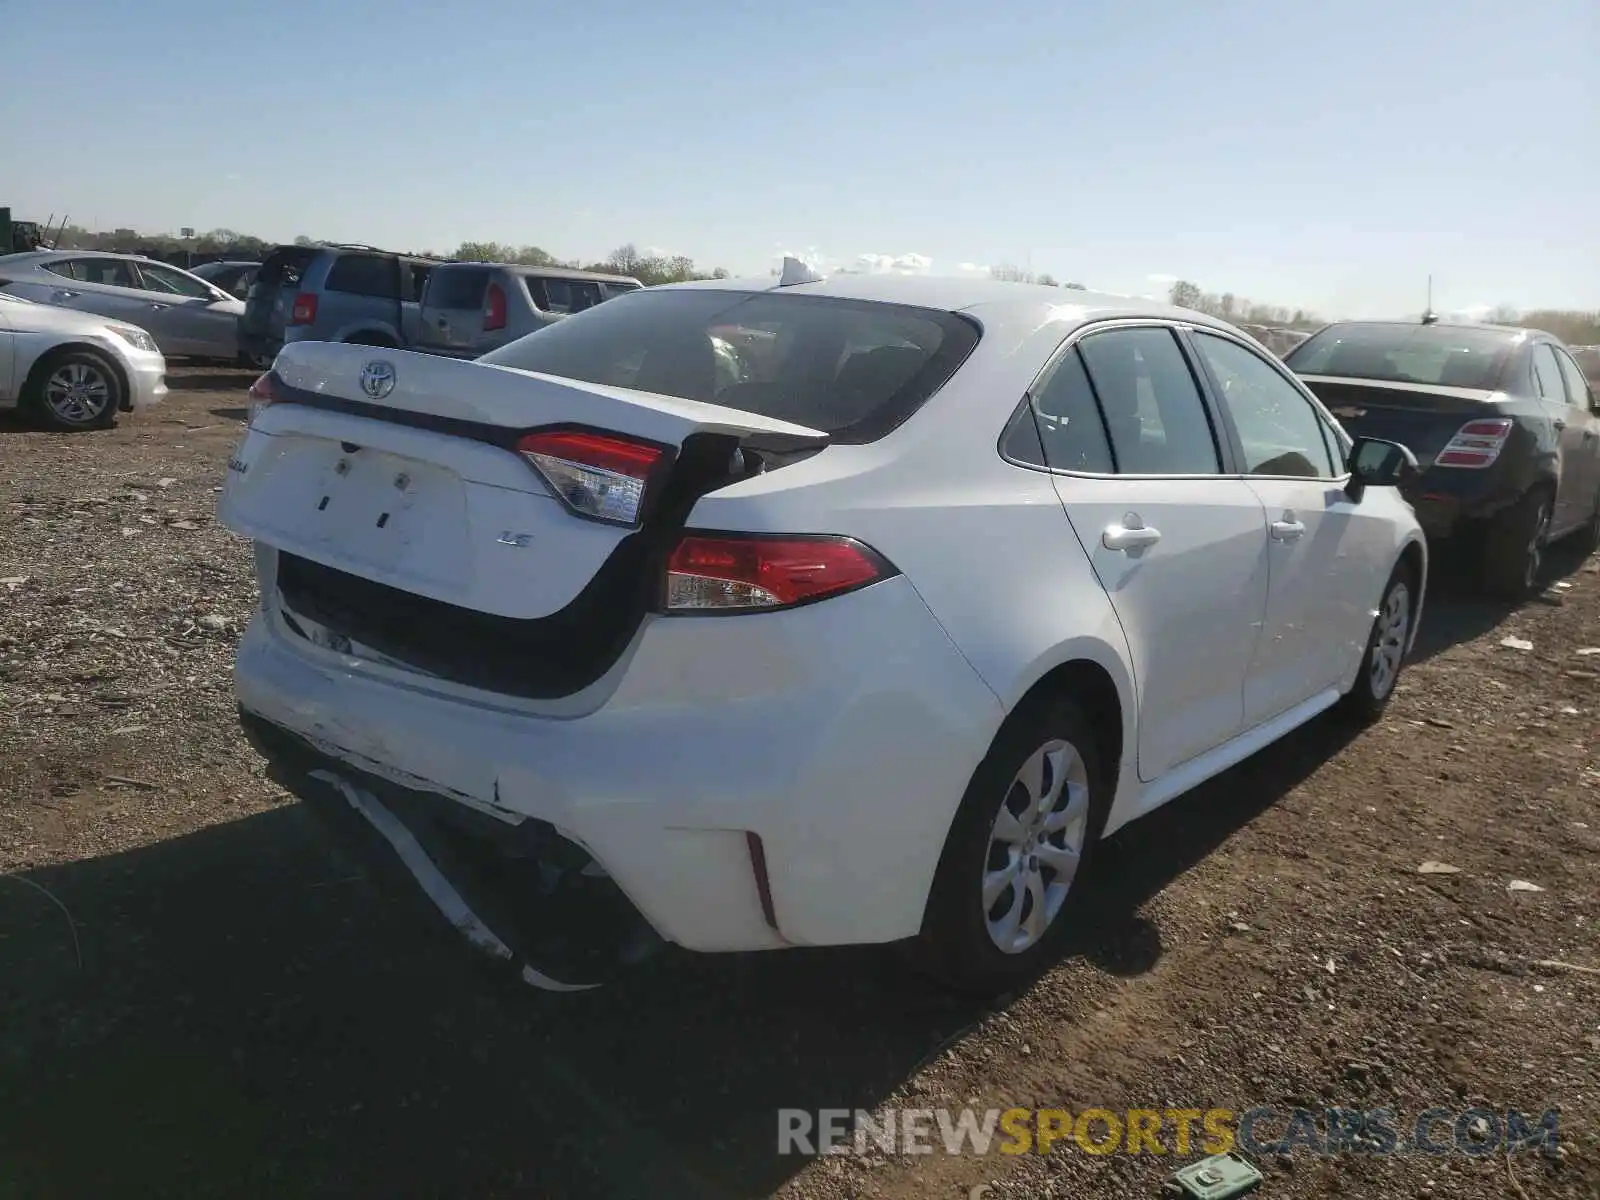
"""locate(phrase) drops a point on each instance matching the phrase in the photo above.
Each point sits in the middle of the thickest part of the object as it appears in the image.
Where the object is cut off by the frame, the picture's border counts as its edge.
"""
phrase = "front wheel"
(1001, 903)
(75, 390)
(1386, 649)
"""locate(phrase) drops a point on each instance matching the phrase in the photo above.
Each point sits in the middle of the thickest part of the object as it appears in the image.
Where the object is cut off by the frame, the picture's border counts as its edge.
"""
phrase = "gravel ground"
(197, 999)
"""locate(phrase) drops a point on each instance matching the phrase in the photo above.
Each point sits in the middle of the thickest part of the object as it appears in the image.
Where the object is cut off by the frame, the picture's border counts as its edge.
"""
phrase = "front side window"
(1152, 406)
(173, 283)
(1279, 429)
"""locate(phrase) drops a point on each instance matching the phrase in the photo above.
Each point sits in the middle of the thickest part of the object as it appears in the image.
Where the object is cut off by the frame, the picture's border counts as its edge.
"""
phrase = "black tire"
(1514, 547)
(1384, 659)
(956, 945)
(71, 391)
(1588, 538)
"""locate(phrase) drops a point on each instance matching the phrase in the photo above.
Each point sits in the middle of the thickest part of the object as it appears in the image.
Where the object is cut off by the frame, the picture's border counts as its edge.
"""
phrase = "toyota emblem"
(377, 379)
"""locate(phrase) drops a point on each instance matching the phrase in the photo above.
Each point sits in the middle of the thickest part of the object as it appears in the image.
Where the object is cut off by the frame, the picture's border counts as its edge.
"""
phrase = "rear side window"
(564, 295)
(853, 368)
(458, 287)
(1070, 434)
(1578, 393)
(1151, 403)
(365, 275)
(111, 272)
(1547, 374)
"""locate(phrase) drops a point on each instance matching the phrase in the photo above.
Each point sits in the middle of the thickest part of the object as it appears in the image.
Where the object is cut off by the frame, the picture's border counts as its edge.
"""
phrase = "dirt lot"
(230, 1011)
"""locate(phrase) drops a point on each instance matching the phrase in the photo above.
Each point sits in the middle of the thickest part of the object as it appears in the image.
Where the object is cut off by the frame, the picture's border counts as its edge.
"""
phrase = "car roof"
(545, 272)
(47, 255)
(995, 303)
(1513, 330)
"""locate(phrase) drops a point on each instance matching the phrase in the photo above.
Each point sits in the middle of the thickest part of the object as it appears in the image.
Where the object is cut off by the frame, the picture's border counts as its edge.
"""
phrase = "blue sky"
(1328, 155)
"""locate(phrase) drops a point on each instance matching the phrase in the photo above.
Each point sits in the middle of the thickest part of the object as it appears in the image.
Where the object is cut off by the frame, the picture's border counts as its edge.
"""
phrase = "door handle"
(63, 294)
(160, 307)
(1132, 534)
(1288, 529)
(1559, 424)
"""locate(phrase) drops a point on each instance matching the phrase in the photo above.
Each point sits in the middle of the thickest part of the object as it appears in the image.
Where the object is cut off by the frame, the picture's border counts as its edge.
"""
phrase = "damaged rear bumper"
(536, 905)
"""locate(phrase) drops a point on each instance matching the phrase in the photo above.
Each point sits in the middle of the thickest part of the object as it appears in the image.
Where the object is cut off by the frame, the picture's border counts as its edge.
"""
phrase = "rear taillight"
(752, 573)
(597, 475)
(1476, 444)
(494, 308)
(304, 311)
(260, 395)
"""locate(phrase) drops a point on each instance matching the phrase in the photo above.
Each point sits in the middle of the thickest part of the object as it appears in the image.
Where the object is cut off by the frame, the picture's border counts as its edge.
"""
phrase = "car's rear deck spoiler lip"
(1482, 395)
(503, 436)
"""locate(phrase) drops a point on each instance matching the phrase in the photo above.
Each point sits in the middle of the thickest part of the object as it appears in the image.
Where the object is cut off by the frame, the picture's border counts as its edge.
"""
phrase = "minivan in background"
(470, 308)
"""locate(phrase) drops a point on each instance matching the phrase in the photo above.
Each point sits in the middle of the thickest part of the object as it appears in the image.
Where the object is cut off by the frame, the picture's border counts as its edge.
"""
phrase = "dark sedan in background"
(1504, 426)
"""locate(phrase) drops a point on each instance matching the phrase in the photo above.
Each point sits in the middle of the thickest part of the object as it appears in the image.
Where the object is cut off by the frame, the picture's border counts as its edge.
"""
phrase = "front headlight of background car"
(135, 337)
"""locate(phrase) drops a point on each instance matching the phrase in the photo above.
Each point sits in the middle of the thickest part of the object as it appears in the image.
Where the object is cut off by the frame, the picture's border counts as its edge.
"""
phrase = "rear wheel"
(74, 390)
(1514, 552)
(1386, 649)
(1008, 882)
(1588, 538)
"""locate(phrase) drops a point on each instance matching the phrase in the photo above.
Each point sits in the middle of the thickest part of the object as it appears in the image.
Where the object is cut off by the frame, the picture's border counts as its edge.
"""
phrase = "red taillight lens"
(733, 573)
(304, 311)
(494, 311)
(1476, 444)
(598, 475)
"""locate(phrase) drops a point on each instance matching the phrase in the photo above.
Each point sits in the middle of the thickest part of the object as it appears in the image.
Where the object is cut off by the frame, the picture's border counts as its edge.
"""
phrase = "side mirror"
(1374, 462)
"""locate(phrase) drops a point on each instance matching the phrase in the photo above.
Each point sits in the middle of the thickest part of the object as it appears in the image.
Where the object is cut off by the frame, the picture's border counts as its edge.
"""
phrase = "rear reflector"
(304, 311)
(597, 475)
(1476, 444)
(494, 314)
(741, 573)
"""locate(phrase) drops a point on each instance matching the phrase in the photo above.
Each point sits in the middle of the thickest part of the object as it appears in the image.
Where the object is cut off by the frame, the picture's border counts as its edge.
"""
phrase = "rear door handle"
(1288, 529)
(1132, 534)
(160, 307)
(63, 294)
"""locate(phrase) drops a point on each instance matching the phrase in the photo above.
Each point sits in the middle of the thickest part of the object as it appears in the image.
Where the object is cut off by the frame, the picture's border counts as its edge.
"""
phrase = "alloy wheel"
(1035, 846)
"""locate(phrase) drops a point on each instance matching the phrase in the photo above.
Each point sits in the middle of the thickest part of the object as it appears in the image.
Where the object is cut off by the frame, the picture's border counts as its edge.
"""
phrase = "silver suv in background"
(471, 308)
(333, 293)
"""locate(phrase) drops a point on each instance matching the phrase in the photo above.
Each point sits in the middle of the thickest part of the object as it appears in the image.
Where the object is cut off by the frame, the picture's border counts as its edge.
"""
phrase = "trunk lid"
(424, 492)
(1421, 417)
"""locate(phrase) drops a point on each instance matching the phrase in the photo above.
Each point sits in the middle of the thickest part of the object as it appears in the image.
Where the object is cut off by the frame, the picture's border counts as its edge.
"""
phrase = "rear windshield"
(1446, 355)
(854, 369)
(457, 287)
(284, 266)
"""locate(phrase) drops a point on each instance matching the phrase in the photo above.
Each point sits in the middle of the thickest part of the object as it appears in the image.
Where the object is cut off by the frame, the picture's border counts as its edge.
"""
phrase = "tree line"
(649, 269)
(1576, 328)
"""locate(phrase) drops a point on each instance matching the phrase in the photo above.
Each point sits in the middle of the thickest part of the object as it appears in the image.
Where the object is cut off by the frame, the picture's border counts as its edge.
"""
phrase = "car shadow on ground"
(1457, 611)
(212, 380)
(250, 1018)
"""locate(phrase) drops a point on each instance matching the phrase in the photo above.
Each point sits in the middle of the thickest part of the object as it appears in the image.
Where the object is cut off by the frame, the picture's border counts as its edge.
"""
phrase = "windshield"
(1443, 355)
(854, 369)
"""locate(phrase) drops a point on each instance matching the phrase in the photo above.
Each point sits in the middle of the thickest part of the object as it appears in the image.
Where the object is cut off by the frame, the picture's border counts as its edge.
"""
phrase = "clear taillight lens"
(597, 475)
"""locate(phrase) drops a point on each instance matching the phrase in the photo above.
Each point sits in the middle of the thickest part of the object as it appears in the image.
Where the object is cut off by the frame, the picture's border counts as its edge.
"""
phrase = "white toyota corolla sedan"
(869, 637)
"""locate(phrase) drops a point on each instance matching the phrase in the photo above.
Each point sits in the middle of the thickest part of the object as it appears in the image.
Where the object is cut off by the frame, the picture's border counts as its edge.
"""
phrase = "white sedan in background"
(72, 371)
(870, 641)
